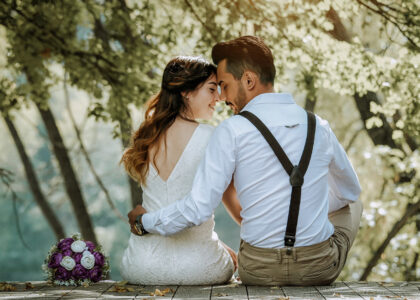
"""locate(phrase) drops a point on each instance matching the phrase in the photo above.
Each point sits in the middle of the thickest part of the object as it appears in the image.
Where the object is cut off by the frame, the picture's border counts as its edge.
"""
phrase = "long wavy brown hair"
(181, 75)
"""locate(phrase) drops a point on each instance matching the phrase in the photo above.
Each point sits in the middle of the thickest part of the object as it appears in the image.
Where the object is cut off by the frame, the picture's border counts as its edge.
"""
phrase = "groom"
(287, 184)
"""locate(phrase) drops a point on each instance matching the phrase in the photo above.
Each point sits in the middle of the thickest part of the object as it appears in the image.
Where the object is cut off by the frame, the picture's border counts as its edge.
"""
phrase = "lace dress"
(194, 256)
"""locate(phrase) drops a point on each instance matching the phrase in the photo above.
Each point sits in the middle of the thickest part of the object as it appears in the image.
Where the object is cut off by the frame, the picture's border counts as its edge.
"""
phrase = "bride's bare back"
(177, 138)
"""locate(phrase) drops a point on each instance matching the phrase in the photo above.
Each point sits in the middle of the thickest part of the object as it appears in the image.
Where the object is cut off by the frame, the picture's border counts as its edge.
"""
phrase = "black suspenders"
(296, 173)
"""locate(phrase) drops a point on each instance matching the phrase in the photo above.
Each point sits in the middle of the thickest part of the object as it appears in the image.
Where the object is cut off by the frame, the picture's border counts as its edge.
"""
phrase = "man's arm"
(231, 202)
(342, 179)
(211, 180)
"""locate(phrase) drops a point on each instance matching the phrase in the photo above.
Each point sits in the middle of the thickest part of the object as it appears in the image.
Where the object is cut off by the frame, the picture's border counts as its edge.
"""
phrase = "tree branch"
(87, 157)
(411, 210)
(201, 21)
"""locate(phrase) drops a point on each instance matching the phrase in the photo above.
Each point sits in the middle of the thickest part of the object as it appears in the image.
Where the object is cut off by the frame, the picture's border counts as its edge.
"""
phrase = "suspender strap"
(296, 173)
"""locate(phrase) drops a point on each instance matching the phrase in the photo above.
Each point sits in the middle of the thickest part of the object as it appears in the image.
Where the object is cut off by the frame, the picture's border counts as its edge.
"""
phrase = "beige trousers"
(318, 264)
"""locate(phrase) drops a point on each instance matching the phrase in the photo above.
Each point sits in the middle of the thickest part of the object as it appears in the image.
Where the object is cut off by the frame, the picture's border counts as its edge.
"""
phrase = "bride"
(163, 157)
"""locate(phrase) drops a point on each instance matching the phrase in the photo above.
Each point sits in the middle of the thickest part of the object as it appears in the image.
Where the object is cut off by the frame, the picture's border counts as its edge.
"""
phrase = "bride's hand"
(133, 214)
(233, 255)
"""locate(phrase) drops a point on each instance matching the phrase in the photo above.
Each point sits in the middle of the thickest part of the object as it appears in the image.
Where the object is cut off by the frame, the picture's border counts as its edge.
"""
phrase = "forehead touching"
(212, 80)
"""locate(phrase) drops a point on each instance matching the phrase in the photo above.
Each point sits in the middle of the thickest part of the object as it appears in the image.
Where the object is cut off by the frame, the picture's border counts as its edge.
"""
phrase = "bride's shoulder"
(207, 128)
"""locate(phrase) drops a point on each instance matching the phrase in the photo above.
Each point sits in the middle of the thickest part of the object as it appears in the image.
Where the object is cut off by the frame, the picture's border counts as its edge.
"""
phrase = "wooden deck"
(116, 290)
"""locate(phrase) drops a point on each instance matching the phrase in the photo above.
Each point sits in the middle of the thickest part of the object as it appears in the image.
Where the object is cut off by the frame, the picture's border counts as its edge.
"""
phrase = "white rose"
(88, 261)
(78, 246)
(86, 253)
(68, 263)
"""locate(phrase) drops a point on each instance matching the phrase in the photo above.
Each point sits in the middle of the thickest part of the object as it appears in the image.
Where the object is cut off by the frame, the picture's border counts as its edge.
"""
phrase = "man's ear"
(249, 80)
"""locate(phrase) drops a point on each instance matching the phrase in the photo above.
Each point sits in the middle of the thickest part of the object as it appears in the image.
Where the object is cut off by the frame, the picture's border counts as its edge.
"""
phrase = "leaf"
(28, 285)
(7, 287)
(167, 290)
(118, 288)
(221, 295)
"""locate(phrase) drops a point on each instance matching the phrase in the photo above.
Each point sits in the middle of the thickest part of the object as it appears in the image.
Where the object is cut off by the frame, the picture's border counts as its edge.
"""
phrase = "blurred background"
(74, 76)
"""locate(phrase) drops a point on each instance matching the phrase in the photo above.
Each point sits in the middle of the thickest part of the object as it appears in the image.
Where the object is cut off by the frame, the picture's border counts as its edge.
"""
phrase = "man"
(287, 237)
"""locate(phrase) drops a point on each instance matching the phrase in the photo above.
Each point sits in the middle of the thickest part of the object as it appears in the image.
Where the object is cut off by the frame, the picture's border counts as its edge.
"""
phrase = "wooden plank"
(265, 292)
(94, 291)
(301, 292)
(51, 292)
(369, 290)
(415, 283)
(118, 290)
(149, 292)
(21, 289)
(197, 292)
(337, 290)
(229, 291)
(402, 289)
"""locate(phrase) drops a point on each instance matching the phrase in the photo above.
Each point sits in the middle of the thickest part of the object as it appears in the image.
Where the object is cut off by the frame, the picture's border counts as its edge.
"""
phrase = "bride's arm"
(231, 202)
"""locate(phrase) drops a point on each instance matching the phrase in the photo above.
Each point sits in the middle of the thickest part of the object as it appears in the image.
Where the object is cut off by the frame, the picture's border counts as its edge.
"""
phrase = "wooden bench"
(114, 290)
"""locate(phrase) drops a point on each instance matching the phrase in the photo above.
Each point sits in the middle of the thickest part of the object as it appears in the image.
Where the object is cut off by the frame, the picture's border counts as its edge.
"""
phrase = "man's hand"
(132, 217)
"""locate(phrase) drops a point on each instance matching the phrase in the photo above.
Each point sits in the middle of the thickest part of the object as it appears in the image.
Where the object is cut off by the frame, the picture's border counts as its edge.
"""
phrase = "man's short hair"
(246, 53)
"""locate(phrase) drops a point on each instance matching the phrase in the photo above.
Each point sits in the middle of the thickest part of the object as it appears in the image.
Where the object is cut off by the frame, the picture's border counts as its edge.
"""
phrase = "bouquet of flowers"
(74, 261)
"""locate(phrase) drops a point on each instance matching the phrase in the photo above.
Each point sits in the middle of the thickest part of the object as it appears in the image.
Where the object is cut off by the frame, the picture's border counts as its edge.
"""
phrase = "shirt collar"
(274, 98)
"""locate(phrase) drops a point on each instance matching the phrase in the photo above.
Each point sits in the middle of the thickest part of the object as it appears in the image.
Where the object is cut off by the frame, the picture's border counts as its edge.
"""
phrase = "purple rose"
(77, 257)
(68, 252)
(99, 259)
(55, 260)
(90, 245)
(79, 272)
(95, 274)
(62, 274)
(65, 244)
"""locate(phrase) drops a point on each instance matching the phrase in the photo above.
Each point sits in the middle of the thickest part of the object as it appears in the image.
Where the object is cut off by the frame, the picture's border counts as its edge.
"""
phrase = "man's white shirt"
(238, 150)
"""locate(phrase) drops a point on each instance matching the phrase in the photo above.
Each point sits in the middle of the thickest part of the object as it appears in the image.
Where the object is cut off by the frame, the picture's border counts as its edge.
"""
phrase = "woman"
(163, 157)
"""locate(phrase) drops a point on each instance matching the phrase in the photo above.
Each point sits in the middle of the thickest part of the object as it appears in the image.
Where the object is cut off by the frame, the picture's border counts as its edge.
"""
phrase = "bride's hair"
(181, 75)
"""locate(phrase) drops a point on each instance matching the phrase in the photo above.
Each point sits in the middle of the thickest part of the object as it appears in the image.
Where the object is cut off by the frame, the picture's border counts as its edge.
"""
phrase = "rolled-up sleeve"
(344, 186)
(210, 182)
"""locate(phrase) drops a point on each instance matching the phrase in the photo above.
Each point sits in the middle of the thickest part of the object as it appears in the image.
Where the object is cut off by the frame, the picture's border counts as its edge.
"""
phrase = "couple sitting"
(279, 170)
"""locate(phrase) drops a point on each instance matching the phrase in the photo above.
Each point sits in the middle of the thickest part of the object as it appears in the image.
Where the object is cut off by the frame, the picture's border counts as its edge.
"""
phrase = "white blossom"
(88, 261)
(78, 246)
(68, 263)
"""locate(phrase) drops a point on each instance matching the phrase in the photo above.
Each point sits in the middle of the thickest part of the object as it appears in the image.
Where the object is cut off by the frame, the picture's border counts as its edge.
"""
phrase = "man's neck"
(263, 89)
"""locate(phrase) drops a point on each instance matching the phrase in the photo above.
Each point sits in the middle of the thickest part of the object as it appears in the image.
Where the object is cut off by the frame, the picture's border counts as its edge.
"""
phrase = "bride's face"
(202, 100)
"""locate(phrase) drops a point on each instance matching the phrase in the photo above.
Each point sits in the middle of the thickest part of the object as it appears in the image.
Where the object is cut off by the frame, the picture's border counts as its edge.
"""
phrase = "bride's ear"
(185, 95)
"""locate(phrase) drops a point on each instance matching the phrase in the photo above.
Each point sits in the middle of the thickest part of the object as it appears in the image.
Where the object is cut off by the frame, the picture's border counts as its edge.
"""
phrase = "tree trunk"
(379, 136)
(135, 190)
(32, 178)
(70, 180)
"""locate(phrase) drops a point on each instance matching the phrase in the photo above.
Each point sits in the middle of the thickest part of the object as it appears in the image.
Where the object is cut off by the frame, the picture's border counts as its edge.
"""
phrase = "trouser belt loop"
(279, 258)
(294, 254)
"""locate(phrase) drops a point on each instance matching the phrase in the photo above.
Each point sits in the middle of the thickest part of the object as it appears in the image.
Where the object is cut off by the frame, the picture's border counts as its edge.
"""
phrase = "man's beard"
(240, 100)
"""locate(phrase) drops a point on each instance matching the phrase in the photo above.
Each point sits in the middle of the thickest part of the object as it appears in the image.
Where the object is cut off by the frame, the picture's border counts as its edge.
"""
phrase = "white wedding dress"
(194, 256)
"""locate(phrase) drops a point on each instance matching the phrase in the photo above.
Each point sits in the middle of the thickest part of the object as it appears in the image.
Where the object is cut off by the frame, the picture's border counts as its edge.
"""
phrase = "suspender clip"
(296, 178)
(289, 240)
